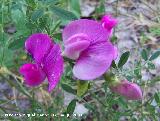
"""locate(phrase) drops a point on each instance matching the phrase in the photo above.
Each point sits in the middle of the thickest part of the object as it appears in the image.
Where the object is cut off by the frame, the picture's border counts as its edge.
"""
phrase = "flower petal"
(33, 74)
(53, 66)
(94, 61)
(38, 45)
(75, 45)
(108, 22)
(129, 90)
(91, 28)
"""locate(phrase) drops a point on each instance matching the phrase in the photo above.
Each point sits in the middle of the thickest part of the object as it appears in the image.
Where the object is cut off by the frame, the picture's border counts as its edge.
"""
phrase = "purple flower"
(129, 90)
(48, 61)
(87, 42)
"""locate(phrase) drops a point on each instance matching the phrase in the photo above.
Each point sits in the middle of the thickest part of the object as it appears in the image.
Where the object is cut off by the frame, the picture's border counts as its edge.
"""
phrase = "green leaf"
(122, 102)
(71, 106)
(129, 78)
(137, 72)
(157, 98)
(31, 3)
(101, 8)
(114, 64)
(114, 39)
(57, 37)
(151, 65)
(75, 7)
(43, 21)
(50, 1)
(18, 17)
(17, 43)
(37, 14)
(56, 25)
(154, 55)
(69, 89)
(63, 14)
(144, 54)
(82, 87)
(123, 59)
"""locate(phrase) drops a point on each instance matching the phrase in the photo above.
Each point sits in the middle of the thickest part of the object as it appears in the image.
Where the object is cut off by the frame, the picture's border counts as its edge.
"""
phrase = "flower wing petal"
(53, 66)
(33, 74)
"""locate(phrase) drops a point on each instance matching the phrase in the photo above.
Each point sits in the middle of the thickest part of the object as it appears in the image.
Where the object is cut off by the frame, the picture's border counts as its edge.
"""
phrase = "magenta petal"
(38, 45)
(91, 28)
(33, 74)
(75, 45)
(129, 90)
(53, 66)
(94, 61)
(108, 22)
(73, 51)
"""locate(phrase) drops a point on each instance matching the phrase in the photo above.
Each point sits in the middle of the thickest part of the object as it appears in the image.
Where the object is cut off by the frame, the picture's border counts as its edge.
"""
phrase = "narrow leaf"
(69, 89)
(157, 98)
(71, 106)
(75, 7)
(123, 59)
(37, 14)
(63, 14)
(144, 54)
(154, 55)
(57, 24)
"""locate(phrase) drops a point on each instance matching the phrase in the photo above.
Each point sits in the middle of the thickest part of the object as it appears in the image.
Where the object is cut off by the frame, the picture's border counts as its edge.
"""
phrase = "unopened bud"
(129, 90)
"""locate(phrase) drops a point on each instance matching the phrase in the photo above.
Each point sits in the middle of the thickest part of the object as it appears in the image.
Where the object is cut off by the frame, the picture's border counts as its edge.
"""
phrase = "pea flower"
(87, 42)
(129, 90)
(47, 58)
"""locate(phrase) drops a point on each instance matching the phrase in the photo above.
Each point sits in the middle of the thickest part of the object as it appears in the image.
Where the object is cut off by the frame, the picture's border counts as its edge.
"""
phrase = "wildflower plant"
(49, 54)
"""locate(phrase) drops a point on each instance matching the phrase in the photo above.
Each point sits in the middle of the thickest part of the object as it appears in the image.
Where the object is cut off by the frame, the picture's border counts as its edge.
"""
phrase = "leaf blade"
(123, 59)
(144, 54)
(69, 89)
(63, 14)
(37, 14)
(154, 55)
(71, 106)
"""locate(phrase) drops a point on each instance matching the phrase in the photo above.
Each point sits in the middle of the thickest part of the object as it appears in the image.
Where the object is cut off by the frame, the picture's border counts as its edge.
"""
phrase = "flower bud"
(129, 90)
(108, 22)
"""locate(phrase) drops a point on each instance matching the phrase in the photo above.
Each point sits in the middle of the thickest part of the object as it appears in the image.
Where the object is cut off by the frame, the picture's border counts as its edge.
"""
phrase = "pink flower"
(87, 42)
(48, 61)
(129, 90)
